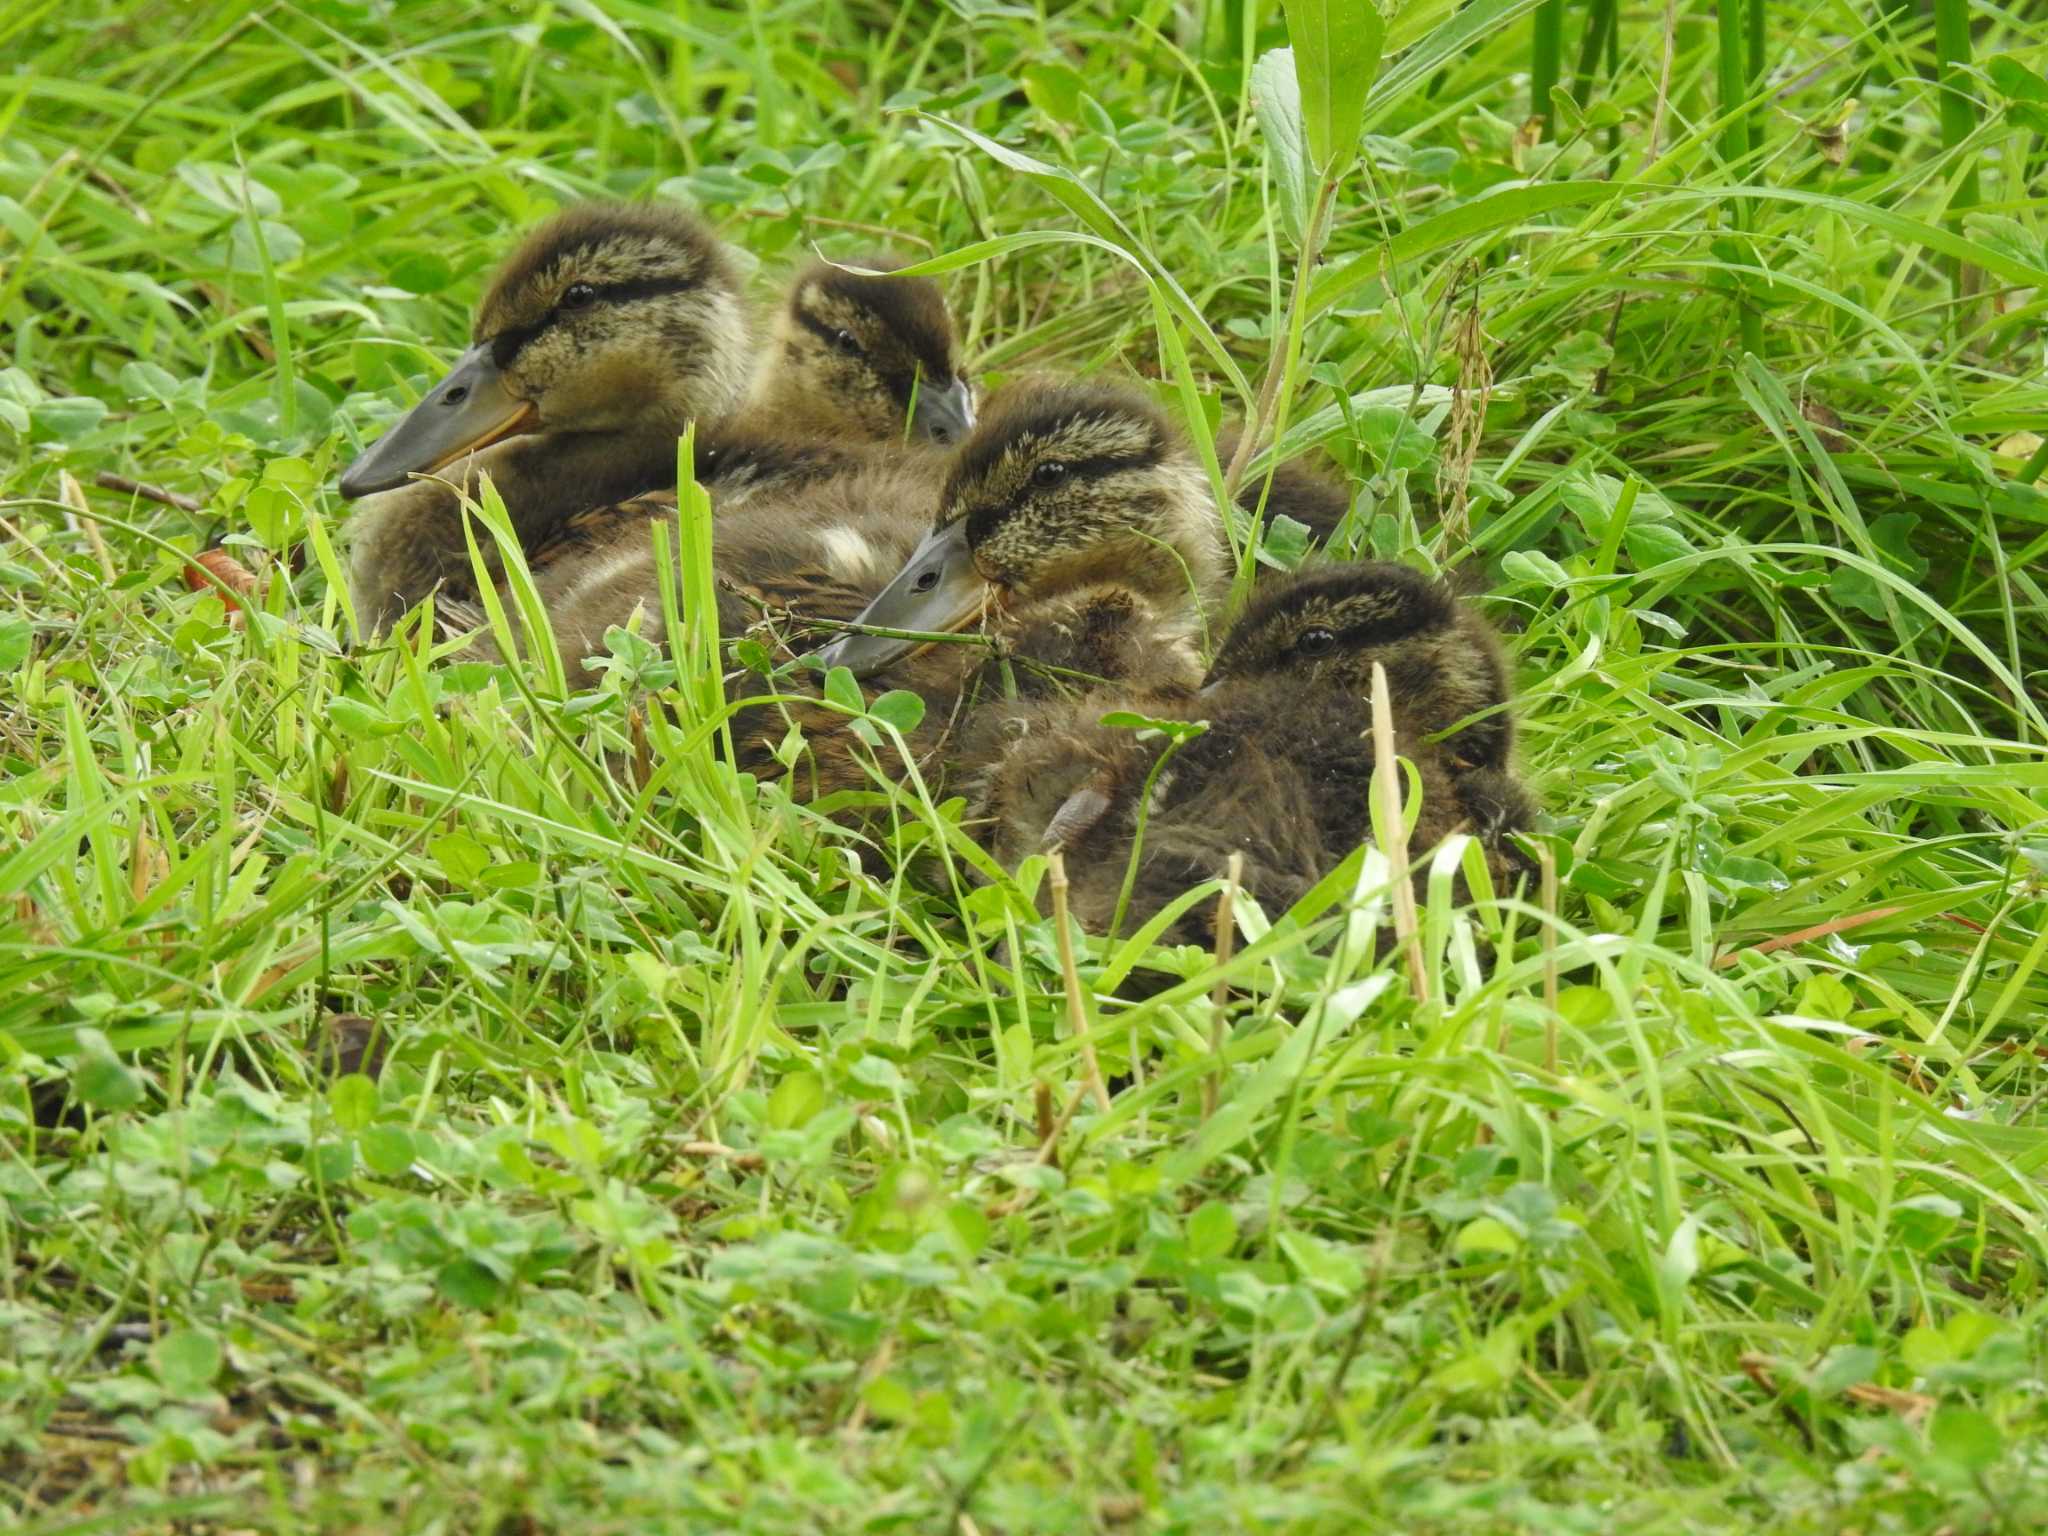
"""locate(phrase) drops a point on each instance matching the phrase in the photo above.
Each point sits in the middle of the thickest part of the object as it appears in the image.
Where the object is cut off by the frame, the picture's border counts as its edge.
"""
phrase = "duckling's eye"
(926, 580)
(578, 296)
(1051, 472)
(846, 342)
(1315, 642)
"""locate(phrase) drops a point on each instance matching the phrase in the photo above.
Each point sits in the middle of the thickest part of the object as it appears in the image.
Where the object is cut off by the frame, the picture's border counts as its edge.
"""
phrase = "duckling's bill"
(467, 411)
(944, 415)
(938, 591)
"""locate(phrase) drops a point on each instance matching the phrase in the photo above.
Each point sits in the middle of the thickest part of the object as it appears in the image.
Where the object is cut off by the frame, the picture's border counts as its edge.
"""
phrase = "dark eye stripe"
(829, 334)
(897, 381)
(509, 343)
(1107, 464)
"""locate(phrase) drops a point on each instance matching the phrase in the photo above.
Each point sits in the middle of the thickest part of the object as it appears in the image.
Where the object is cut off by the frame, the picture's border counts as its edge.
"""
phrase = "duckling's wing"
(600, 529)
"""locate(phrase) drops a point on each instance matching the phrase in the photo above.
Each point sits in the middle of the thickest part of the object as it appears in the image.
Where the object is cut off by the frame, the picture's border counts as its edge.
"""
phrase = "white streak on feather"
(848, 553)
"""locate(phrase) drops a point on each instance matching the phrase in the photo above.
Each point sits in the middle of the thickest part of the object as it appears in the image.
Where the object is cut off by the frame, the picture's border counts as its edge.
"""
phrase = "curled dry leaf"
(1759, 1369)
(1910, 1406)
(337, 784)
(643, 751)
(1827, 425)
(239, 580)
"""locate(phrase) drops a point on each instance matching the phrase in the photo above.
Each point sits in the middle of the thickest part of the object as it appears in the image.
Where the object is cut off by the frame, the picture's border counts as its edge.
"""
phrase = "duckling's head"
(1325, 628)
(609, 318)
(1061, 486)
(864, 355)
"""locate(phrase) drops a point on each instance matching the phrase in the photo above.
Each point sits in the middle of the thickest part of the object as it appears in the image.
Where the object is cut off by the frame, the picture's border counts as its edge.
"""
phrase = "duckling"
(1073, 524)
(1324, 628)
(1283, 772)
(1172, 549)
(610, 327)
(608, 330)
(1071, 511)
(1311, 496)
(1063, 488)
(854, 357)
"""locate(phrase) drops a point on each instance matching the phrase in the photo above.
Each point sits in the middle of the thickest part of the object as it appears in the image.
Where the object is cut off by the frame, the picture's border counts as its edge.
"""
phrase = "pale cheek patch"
(849, 554)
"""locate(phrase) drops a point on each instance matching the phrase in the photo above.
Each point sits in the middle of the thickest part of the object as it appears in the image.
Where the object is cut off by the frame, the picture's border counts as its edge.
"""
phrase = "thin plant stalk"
(1600, 29)
(1286, 353)
(1958, 107)
(1070, 975)
(1226, 943)
(1548, 862)
(1393, 833)
(1546, 57)
(1736, 140)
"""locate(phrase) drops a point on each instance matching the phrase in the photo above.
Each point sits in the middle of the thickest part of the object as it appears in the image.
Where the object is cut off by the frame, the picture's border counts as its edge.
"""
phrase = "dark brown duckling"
(1283, 773)
(1312, 496)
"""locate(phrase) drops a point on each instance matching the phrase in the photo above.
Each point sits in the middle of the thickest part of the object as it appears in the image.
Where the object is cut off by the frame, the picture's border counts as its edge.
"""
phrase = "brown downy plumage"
(1283, 773)
(610, 329)
(1313, 497)
(812, 535)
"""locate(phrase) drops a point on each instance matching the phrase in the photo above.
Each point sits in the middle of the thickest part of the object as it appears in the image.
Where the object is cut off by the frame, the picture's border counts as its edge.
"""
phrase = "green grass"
(697, 1191)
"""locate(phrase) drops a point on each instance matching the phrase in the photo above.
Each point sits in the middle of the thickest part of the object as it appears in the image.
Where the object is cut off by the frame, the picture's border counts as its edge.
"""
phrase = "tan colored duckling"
(1283, 773)
(1063, 487)
(1075, 538)
(610, 329)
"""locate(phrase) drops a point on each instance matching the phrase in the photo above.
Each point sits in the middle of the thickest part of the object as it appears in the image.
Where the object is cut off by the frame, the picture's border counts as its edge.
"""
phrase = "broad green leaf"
(1212, 1230)
(843, 690)
(353, 1099)
(1681, 1257)
(898, 707)
(1277, 98)
(1055, 89)
(387, 1149)
(68, 418)
(17, 638)
(1336, 45)
(420, 272)
(1486, 1235)
(798, 1097)
(101, 1078)
(1965, 1438)
(1326, 1268)
(469, 1283)
(186, 1361)
(462, 858)
(1924, 1220)
(2024, 90)
(1534, 565)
